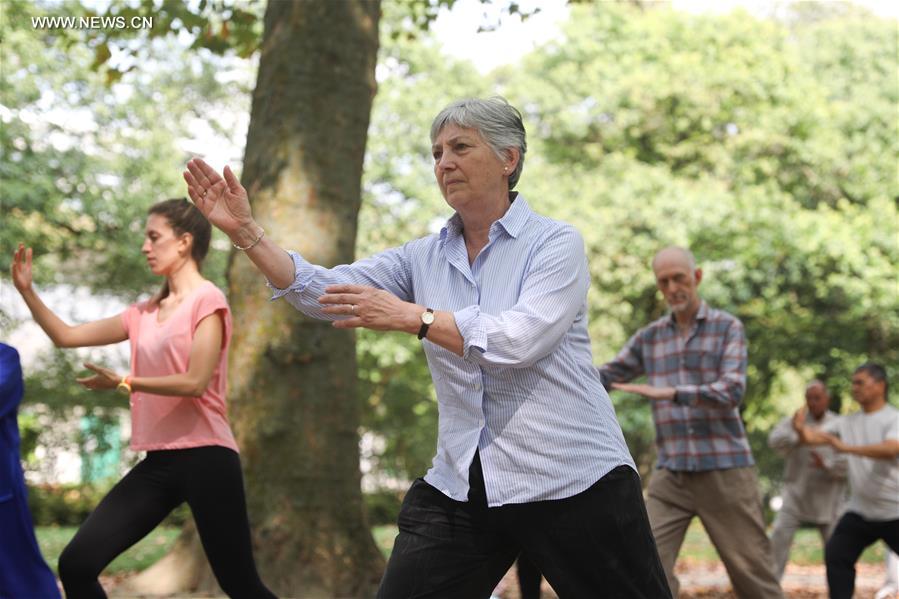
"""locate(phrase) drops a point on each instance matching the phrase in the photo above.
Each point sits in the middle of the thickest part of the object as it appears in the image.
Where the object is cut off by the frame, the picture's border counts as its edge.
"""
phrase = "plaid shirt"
(700, 429)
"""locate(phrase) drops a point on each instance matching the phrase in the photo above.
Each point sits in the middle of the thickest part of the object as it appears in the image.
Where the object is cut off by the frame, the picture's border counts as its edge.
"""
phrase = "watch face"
(427, 317)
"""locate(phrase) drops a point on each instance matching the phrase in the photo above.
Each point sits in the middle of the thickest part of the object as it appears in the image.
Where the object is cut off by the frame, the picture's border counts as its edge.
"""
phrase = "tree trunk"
(292, 380)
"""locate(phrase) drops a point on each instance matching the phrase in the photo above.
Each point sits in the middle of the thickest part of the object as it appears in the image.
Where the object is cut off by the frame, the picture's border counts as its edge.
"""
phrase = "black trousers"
(209, 480)
(849, 539)
(595, 544)
(529, 577)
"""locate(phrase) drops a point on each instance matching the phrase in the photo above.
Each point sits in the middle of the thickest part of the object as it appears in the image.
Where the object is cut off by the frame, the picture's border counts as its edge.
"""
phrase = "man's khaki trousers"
(729, 506)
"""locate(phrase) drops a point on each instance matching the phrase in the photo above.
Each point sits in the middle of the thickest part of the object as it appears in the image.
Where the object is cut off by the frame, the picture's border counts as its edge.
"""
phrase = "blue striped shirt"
(525, 393)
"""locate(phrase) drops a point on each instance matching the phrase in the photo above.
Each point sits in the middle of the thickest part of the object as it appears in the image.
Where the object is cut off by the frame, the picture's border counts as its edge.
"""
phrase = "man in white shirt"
(870, 438)
(814, 477)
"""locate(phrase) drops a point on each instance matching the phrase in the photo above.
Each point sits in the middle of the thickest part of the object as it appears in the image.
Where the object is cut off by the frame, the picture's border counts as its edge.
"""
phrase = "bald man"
(694, 360)
(815, 484)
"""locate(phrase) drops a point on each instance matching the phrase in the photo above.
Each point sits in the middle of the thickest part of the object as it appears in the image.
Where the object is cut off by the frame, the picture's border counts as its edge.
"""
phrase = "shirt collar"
(701, 314)
(512, 222)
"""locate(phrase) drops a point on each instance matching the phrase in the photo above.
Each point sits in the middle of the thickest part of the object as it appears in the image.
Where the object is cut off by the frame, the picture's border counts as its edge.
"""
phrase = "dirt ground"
(704, 580)
(699, 580)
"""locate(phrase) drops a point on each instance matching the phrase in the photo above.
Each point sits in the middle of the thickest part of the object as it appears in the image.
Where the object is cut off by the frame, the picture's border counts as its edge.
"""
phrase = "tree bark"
(292, 380)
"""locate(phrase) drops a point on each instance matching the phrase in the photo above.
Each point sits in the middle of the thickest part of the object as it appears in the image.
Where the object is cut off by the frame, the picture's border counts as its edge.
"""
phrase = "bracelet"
(252, 243)
(124, 385)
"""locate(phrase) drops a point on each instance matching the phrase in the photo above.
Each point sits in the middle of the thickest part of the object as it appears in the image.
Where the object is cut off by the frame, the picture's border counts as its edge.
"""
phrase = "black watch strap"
(423, 331)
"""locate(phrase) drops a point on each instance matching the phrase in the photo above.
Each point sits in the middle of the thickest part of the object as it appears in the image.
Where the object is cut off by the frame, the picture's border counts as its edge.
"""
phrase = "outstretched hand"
(104, 378)
(21, 269)
(221, 198)
(370, 308)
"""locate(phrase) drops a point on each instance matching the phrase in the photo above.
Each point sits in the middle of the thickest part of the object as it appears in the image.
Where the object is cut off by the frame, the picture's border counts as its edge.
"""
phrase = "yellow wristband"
(124, 385)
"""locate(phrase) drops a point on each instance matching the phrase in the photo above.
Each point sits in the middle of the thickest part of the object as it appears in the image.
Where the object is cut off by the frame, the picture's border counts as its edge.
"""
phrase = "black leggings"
(209, 480)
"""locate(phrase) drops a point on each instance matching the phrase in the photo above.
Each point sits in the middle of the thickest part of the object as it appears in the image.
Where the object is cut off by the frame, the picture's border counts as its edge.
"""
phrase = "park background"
(762, 136)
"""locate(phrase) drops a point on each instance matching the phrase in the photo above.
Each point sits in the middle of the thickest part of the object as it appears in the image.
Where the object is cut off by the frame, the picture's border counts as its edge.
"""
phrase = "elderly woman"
(529, 453)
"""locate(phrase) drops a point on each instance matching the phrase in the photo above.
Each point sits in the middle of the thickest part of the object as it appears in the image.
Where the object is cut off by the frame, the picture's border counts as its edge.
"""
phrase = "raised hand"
(221, 199)
(798, 420)
(21, 269)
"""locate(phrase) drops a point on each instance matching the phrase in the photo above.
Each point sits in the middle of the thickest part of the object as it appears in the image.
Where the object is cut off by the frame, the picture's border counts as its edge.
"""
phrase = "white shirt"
(873, 483)
(813, 494)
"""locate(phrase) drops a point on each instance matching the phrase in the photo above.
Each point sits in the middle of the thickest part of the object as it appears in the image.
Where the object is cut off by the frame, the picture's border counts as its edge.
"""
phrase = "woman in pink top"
(179, 354)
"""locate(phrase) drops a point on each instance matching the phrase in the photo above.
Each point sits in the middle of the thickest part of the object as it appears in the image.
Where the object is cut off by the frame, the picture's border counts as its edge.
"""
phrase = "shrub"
(70, 504)
(383, 507)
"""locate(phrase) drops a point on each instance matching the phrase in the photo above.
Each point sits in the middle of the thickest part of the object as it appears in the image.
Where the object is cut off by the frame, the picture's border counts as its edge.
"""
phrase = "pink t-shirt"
(163, 348)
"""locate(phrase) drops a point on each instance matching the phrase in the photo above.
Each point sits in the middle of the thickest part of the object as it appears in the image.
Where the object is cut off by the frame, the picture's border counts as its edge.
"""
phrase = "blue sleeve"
(388, 270)
(12, 387)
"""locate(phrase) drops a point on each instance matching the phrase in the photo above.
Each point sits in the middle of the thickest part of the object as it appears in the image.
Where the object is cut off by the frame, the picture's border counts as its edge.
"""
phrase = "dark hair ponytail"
(183, 217)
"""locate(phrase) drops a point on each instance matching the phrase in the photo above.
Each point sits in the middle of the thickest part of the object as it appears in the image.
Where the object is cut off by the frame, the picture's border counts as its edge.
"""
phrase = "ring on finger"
(353, 309)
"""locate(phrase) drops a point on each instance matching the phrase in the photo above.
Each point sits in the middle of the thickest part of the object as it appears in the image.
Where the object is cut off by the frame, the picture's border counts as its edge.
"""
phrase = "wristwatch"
(427, 319)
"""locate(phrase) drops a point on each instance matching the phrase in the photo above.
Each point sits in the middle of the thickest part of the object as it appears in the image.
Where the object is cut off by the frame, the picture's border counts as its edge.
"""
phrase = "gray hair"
(497, 121)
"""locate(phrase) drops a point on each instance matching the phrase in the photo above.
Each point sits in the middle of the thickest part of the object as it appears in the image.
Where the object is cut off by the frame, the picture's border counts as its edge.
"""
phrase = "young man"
(870, 438)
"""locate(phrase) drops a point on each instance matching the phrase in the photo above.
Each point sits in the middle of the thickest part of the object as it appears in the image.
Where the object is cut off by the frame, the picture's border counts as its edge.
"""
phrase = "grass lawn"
(53, 540)
(806, 549)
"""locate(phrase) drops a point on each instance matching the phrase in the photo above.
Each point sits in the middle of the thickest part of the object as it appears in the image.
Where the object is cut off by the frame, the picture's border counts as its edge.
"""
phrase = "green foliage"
(767, 146)
(217, 26)
(82, 161)
(720, 133)
(768, 149)
(64, 505)
(383, 507)
(730, 97)
(71, 504)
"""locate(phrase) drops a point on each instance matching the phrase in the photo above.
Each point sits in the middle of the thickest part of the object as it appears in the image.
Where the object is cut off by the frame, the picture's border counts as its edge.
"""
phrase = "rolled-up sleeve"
(303, 273)
(728, 389)
(552, 294)
(388, 270)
